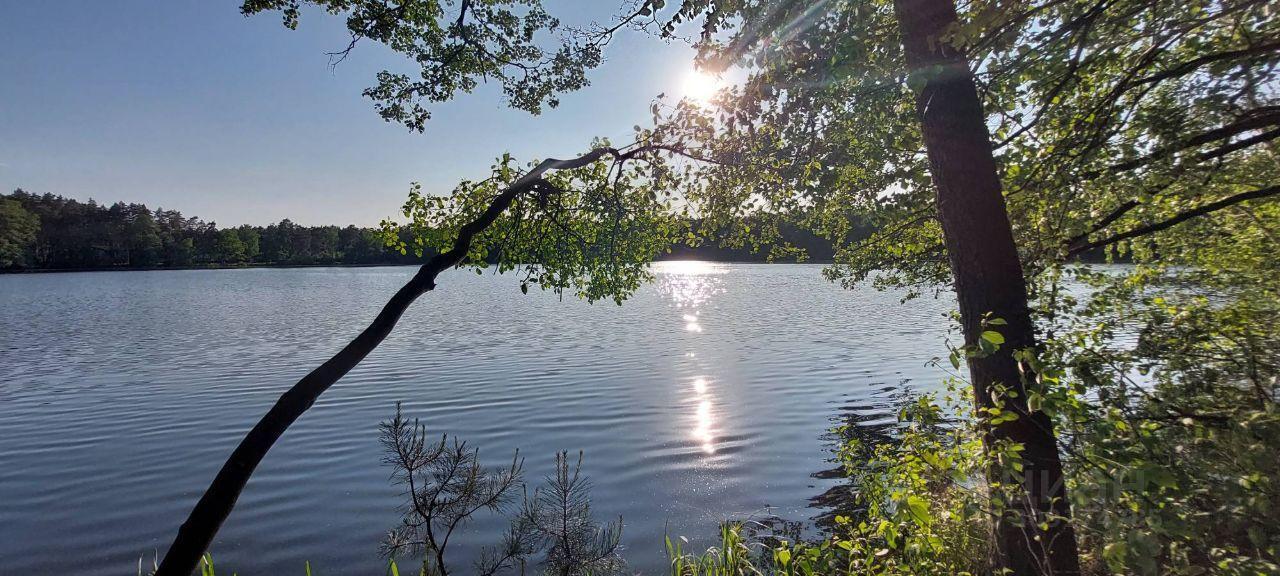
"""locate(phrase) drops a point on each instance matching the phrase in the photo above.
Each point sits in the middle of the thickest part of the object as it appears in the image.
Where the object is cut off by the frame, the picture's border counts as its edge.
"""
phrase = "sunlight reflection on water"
(689, 285)
(702, 432)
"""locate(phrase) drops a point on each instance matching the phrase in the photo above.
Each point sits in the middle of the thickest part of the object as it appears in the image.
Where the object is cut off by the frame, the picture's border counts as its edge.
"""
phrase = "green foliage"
(18, 229)
(456, 45)
(1130, 131)
(1120, 127)
(73, 235)
(822, 134)
(1172, 419)
(592, 230)
(925, 509)
(229, 246)
(557, 521)
(734, 555)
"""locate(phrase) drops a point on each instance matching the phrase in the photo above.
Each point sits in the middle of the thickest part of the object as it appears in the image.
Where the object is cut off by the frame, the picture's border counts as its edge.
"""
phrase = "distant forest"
(50, 232)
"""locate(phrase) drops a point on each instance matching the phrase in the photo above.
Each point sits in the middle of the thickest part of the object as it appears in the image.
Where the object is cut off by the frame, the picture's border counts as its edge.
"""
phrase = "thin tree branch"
(1120, 210)
(1174, 220)
(1252, 122)
(1240, 145)
(1191, 65)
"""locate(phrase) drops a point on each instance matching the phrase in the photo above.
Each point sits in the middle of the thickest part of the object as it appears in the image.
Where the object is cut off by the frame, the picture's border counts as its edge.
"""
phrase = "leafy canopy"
(458, 44)
(592, 229)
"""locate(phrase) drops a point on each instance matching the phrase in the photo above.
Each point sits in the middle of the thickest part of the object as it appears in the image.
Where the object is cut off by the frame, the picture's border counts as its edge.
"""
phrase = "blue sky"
(187, 105)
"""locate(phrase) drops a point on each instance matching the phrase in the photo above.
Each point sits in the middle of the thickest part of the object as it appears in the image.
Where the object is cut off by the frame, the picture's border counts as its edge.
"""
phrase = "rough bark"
(197, 532)
(988, 280)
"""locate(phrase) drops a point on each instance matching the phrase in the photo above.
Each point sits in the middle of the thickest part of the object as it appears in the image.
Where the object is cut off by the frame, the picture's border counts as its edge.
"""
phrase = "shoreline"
(329, 265)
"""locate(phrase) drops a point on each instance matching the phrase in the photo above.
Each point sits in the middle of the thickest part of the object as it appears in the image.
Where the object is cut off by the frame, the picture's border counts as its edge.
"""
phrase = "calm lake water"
(707, 396)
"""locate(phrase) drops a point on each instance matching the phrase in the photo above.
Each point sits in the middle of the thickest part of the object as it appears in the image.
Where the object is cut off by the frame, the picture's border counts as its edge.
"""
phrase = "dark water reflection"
(708, 395)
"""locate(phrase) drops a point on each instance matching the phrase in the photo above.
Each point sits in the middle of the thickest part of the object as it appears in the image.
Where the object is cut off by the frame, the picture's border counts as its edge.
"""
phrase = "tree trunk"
(988, 280)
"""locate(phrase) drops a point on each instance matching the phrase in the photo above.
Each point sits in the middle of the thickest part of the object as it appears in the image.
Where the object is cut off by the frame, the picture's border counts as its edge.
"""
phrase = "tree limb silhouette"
(1081, 247)
(197, 532)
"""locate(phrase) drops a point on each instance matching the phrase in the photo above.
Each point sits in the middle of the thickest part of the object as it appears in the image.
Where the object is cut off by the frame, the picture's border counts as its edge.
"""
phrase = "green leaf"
(918, 509)
(1034, 401)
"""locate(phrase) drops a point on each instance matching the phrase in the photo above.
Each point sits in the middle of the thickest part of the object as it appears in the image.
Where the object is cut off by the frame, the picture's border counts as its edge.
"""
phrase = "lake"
(707, 396)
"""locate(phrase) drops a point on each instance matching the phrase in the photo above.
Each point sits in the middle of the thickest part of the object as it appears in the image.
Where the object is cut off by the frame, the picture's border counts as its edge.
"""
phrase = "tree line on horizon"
(52, 232)
(46, 231)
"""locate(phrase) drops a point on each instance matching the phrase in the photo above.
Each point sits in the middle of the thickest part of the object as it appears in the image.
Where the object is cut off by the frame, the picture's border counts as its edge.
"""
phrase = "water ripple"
(708, 395)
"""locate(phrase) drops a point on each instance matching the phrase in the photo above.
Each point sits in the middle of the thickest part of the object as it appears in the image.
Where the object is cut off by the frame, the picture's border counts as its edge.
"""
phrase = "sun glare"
(700, 87)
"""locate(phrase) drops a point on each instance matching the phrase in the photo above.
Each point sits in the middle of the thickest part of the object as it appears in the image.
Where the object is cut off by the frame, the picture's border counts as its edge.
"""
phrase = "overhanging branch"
(1082, 247)
(1262, 119)
(197, 532)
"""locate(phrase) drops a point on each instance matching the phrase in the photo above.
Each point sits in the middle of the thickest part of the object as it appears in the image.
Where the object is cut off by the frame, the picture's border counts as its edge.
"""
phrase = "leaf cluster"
(592, 230)
(456, 45)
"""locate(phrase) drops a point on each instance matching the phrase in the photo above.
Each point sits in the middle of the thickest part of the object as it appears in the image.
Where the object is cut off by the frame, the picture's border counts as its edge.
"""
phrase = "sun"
(700, 87)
